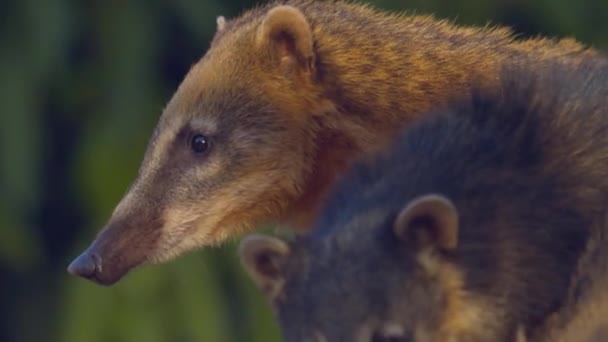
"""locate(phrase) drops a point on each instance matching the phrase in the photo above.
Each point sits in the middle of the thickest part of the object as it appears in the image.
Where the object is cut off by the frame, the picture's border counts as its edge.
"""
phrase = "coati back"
(477, 223)
(286, 97)
(586, 317)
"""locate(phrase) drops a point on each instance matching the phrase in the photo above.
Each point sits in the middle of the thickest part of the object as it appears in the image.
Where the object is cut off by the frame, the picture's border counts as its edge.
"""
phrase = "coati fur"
(482, 221)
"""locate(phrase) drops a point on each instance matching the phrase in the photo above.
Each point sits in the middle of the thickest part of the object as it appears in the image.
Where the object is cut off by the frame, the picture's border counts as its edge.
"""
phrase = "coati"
(287, 95)
(484, 219)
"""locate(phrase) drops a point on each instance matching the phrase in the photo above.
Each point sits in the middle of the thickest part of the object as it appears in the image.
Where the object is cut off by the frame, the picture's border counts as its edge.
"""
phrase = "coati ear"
(288, 35)
(221, 23)
(429, 221)
(263, 257)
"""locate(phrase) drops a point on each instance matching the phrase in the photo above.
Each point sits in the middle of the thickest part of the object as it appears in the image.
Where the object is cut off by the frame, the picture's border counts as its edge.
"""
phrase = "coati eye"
(392, 336)
(380, 338)
(199, 143)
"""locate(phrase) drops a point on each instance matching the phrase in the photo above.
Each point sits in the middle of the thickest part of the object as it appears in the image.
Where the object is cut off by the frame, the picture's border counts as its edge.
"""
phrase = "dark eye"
(378, 337)
(199, 143)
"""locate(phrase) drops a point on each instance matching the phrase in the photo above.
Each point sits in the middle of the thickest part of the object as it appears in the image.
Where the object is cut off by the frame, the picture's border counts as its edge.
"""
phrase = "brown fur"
(289, 94)
(485, 222)
(372, 65)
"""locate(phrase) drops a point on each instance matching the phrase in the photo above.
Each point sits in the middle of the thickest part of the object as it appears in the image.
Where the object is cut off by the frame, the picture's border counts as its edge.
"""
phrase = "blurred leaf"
(20, 134)
(19, 248)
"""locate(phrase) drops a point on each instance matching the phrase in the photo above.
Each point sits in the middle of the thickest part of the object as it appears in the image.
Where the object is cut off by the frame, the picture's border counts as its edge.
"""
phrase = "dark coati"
(285, 98)
(481, 219)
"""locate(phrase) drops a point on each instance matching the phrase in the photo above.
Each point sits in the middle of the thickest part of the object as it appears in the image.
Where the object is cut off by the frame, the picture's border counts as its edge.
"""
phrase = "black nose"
(85, 265)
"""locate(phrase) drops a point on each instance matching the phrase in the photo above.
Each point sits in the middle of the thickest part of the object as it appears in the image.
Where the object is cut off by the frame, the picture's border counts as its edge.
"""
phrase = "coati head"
(382, 277)
(232, 149)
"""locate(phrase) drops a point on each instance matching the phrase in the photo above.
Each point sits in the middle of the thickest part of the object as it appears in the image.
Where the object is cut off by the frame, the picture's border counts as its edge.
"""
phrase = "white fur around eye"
(392, 330)
(372, 331)
(319, 337)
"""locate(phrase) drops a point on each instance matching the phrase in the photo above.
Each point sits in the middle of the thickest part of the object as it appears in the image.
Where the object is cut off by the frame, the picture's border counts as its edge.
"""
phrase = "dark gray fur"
(526, 167)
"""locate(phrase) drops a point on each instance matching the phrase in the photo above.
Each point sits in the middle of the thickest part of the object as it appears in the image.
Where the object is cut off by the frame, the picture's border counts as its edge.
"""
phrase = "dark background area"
(82, 85)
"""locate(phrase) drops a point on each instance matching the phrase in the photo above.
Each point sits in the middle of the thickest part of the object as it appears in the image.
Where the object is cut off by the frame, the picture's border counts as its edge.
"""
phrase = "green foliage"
(83, 83)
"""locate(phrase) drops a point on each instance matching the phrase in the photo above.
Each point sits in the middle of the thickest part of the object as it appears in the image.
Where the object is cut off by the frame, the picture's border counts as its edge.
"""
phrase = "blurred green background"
(82, 85)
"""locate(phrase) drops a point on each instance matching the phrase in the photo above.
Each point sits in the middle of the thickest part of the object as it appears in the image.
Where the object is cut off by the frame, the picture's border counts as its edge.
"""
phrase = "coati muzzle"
(119, 247)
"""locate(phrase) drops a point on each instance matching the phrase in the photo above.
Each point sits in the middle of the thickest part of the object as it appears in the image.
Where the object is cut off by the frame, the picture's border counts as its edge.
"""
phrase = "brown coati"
(482, 219)
(285, 98)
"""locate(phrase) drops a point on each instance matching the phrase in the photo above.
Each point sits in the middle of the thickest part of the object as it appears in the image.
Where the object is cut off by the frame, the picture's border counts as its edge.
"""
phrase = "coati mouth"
(90, 265)
(115, 251)
(86, 265)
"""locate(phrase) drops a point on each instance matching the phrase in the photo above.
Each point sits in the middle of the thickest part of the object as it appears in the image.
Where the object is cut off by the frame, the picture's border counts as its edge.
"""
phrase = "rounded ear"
(288, 35)
(221, 23)
(263, 258)
(429, 220)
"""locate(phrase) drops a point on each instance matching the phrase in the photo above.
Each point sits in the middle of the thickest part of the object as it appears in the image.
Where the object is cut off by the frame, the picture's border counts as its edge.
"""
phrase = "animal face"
(232, 149)
(380, 278)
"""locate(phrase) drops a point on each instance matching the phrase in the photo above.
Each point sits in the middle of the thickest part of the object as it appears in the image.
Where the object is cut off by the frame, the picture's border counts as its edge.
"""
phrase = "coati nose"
(85, 265)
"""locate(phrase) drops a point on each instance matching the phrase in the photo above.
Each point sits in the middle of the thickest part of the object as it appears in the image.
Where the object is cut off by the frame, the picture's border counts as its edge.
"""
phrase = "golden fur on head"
(286, 31)
(465, 314)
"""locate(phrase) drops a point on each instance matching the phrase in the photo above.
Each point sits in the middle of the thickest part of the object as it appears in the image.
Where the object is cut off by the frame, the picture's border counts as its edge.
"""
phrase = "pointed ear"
(288, 35)
(221, 23)
(263, 257)
(429, 221)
